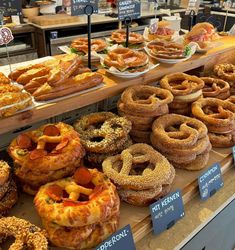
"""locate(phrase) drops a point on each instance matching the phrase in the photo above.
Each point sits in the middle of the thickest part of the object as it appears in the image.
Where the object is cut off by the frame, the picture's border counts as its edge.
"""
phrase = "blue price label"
(167, 211)
(210, 181)
(122, 239)
(234, 155)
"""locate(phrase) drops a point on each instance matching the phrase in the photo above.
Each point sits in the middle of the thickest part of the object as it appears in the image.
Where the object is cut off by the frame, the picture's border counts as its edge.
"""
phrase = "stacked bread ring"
(227, 73)
(27, 235)
(141, 105)
(216, 88)
(48, 153)
(8, 190)
(219, 117)
(185, 88)
(79, 212)
(140, 173)
(103, 134)
(183, 140)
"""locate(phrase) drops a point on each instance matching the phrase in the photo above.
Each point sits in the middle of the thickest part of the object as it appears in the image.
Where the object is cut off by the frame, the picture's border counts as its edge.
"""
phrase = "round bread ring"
(189, 98)
(225, 71)
(61, 158)
(222, 140)
(215, 87)
(85, 237)
(81, 44)
(187, 135)
(92, 121)
(4, 172)
(199, 147)
(9, 199)
(96, 159)
(143, 98)
(138, 154)
(119, 36)
(199, 163)
(32, 180)
(161, 110)
(136, 119)
(25, 234)
(181, 84)
(102, 204)
(145, 197)
(222, 122)
(223, 96)
(124, 58)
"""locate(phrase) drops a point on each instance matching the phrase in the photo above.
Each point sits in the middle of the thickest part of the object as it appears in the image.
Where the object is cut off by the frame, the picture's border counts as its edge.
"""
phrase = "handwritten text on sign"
(78, 6)
(5, 36)
(167, 211)
(10, 7)
(129, 8)
(210, 181)
(120, 240)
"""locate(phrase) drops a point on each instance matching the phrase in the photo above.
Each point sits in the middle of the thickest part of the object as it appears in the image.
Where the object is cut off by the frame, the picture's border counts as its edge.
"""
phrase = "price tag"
(234, 155)
(5, 36)
(210, 181)
(10, 7)
(129, 8)
(78, 6)
(120, 240)
(167, 211)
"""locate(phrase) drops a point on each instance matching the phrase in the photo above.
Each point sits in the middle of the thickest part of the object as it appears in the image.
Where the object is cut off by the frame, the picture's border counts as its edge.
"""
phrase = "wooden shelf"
(115, 86)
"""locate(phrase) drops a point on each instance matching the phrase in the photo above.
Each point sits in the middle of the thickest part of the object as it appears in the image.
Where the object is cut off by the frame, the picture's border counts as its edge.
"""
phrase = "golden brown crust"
(4, 172)
(222, 140)
(101, 204)
(119, 36)
(4, 79)
(225, 71)
(25, 234)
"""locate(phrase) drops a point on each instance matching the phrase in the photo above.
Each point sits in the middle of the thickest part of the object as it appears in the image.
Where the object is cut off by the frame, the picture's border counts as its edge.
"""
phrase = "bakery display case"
(93, 149)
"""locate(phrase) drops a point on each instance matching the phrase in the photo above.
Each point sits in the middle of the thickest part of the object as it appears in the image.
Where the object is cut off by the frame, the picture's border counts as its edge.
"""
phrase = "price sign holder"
(5, 37)
(122, 239)
(210, 181)
(127, 23)
(191, 19)
(167, 211)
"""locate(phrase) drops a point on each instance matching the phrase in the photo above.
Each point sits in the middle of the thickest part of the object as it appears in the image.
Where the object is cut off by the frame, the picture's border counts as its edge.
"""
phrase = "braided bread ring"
(215, 87)
(189, 132)
(221, 119)
(144, 98)
(222, 140)
(225, 71)
(180, 84)
(158, 175)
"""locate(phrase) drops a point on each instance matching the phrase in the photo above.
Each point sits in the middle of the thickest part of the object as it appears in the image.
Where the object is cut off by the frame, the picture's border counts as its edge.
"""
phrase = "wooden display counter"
(113, 86)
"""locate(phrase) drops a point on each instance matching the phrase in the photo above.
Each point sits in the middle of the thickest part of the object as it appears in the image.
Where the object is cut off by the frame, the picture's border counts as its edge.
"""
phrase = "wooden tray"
(139, 217)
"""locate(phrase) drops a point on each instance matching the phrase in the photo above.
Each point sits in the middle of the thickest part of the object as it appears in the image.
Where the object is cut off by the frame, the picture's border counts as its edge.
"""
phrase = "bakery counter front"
(92, 152)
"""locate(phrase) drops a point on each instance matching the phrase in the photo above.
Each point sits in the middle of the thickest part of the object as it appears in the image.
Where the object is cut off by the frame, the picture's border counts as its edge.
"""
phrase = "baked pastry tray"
(138, 217)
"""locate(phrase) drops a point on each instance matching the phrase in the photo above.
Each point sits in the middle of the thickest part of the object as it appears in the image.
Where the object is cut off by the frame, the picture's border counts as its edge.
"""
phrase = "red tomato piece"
(23, 141)
(37, 153)
(51, 130)
(55, 192)
(62, 144)
(82, 176)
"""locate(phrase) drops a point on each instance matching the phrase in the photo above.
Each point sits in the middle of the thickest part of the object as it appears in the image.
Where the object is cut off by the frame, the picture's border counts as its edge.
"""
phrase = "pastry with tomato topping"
(48, 153)
(79, 212)
(160, 30)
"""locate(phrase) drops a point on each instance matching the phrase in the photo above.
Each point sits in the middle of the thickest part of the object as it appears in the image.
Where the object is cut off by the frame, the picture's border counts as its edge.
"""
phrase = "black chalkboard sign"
(78, 6)
(128, 8)
(10, 7)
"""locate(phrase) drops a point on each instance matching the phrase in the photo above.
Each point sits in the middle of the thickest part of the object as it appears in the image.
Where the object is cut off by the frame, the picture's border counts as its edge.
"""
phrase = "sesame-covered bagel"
(144, 98)
(85, 198)
(26, 234)
(48, 148)
(103, 132)
(122, 170)
(225, 71)
(4, 172)
(85, 237)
